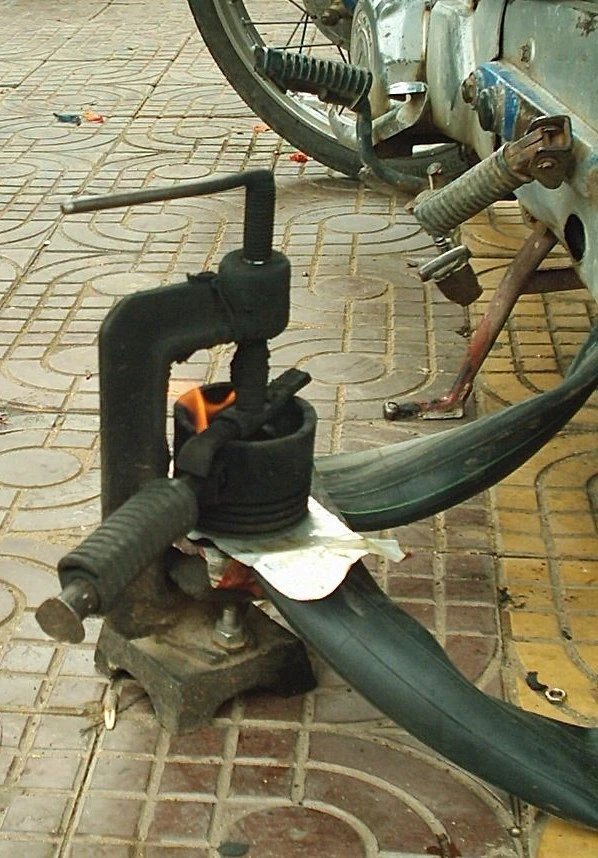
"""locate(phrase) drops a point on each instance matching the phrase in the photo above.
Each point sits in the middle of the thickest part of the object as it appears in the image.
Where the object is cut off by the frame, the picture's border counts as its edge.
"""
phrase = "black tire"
(230, 35)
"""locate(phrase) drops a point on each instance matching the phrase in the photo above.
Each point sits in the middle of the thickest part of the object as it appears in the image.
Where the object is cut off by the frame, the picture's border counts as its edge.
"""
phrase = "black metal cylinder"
(260, 485)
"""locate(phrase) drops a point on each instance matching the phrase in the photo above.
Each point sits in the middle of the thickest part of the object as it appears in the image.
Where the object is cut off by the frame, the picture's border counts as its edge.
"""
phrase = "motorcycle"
(478, 73)
(480, 99)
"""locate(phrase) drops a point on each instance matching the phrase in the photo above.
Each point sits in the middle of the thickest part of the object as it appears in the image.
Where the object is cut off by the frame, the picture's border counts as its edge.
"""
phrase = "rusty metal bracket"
(187, 677)
(553, 157)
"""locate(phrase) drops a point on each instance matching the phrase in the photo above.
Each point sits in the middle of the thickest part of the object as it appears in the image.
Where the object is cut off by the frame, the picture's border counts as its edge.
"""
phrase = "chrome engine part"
(389, 39)
(332, 18)
(481, 74)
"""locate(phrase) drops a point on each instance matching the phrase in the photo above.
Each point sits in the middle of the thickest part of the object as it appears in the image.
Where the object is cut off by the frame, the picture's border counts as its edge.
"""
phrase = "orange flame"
(202, 409)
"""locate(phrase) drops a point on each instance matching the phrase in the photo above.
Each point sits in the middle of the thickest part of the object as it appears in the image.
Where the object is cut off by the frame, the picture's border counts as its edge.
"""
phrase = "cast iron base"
(187, 677)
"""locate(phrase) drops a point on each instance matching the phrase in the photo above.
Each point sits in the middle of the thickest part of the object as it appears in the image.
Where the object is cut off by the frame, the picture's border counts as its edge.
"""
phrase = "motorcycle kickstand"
(521, 277)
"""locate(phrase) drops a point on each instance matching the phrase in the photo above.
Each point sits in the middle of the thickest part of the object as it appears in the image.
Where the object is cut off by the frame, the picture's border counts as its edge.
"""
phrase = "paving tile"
(82, 848)
(273, 744)
(7, 759)
(77, 696)
(62, 732)
(179, 820)
(35, 849)
(299, 831)
(32, 812)
(187, 777)
(19, 690)
(78, 662)
(273, 708)
(109, 817)
(13, 726)
(470, 618)
(207, 741)
(261, 781)
(34, 581)
(175, 852)
(472, 654)
(343, 705)
(120, 773)
(27, 658)
(471, 824)
(396, 828)
(132, 736)
(51, 771)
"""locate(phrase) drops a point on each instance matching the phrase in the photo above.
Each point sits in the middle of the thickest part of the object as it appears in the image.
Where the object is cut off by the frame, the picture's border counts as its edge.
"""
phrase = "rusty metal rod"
(535, 249)
(553, 280)
(513, 284)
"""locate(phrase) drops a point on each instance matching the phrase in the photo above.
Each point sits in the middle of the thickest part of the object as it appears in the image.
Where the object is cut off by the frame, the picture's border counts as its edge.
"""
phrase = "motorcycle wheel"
(232, 28)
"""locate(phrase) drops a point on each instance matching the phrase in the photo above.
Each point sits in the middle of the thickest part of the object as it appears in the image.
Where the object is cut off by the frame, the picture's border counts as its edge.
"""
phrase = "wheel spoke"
(287, 25)
(301, 24)
(305, 23)
(297, 6)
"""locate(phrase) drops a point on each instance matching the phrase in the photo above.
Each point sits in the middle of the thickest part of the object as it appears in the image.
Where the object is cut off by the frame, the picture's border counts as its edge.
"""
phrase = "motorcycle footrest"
(332, 82)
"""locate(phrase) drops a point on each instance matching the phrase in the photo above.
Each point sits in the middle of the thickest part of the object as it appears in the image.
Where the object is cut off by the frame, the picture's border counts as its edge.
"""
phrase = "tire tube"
(389, 658)
(400, 483)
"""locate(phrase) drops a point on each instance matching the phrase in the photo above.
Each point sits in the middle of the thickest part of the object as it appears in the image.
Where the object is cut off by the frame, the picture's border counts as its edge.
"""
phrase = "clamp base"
(188, 677)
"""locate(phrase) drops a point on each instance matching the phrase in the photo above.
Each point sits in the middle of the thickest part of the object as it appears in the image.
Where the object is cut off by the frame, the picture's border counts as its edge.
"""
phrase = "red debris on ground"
(90, 116)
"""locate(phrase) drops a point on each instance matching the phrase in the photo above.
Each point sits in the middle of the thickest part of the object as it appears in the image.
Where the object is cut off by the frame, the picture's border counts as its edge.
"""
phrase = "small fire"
(202, 408)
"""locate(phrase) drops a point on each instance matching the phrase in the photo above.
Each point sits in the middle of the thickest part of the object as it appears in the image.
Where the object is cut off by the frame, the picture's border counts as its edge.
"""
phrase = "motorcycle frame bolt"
(485, 106)
(469, 89)
(546, 164)
(526, 52)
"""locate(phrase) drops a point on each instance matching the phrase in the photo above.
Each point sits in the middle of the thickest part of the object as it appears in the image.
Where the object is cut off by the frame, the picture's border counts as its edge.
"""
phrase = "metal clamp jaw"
(246, 301)
(143, 510)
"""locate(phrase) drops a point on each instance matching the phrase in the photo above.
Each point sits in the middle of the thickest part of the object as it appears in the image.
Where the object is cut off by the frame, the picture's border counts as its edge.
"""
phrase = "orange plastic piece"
(90, 116)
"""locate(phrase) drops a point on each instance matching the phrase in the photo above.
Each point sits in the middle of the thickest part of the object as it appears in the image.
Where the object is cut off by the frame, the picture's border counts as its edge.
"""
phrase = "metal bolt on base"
(229, 631)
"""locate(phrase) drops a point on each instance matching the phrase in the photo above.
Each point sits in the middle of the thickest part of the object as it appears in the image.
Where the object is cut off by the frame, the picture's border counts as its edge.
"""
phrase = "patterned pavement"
(321, 774)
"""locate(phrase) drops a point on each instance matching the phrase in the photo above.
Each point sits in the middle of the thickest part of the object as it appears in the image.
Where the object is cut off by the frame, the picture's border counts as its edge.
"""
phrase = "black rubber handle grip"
(333, 82)
(131, 538)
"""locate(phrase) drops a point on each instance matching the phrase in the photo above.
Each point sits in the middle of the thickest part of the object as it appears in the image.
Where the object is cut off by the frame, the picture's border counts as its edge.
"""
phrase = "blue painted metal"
(518, 100)
(512, 92)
